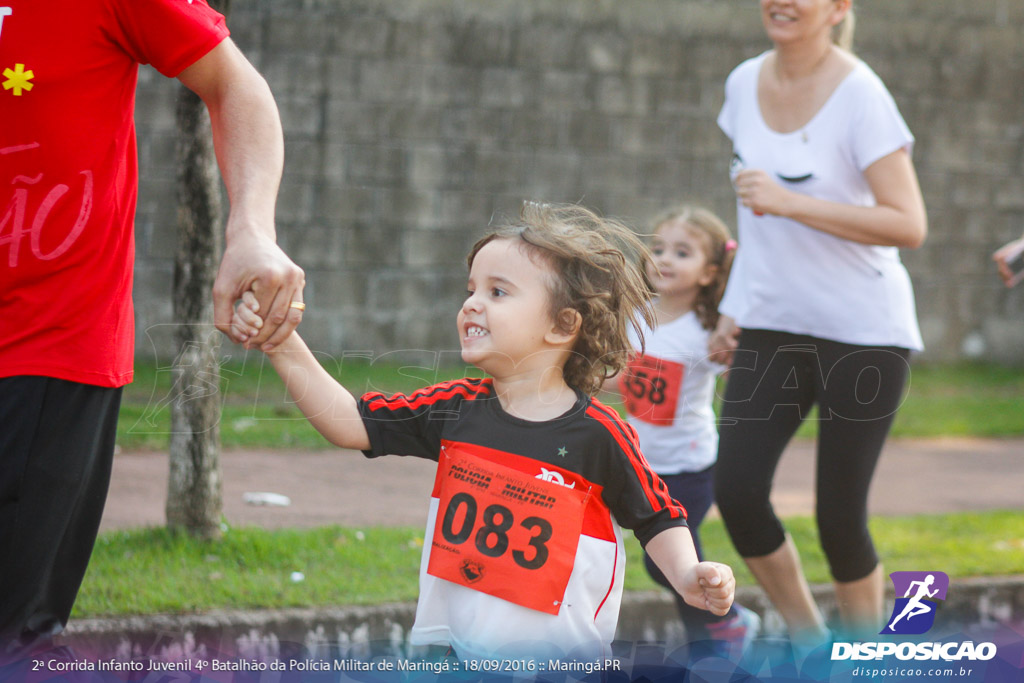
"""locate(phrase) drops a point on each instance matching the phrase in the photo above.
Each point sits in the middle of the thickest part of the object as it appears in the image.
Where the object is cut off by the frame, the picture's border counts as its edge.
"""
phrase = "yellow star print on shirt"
(18, 79)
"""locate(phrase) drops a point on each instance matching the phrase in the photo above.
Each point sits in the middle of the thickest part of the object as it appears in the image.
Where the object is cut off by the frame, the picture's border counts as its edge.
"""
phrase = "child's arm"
(330, 407)
(724, 340)
(705, 585)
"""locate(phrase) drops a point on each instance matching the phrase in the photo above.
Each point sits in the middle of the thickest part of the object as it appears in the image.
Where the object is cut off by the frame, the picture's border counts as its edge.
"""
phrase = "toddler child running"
(668, 391)
(523, 554)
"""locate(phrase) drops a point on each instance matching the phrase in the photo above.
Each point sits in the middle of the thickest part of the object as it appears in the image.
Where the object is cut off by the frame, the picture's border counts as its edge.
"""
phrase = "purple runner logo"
(914, 612)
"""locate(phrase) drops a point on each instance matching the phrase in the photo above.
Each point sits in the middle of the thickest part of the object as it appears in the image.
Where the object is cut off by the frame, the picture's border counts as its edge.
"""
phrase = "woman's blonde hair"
(720, 249)
(842, 33)
(598, 269)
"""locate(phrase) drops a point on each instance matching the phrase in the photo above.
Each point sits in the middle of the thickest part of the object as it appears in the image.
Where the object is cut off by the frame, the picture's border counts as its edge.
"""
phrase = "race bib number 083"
(504, 533)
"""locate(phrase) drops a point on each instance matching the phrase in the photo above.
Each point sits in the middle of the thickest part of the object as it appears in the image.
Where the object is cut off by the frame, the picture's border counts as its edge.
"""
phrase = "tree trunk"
(194, 500)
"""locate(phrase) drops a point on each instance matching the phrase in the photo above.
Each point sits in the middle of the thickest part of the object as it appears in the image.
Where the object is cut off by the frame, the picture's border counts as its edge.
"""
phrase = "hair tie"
(730, 245)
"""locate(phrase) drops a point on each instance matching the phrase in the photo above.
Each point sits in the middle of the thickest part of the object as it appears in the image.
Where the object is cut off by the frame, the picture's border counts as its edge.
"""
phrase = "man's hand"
(256, 263)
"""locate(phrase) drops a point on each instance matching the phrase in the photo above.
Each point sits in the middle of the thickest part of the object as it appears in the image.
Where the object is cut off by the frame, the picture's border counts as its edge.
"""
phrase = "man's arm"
(249, 144)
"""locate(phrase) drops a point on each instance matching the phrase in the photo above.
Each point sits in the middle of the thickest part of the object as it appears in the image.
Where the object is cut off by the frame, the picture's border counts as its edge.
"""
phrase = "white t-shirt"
(793, 278)
(677, 372)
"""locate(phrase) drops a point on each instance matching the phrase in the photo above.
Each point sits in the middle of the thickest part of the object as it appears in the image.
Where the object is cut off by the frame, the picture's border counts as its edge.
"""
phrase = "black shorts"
(56, 451)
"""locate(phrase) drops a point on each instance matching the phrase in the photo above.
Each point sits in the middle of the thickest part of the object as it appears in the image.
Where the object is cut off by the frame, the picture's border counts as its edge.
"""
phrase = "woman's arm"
(898, 218)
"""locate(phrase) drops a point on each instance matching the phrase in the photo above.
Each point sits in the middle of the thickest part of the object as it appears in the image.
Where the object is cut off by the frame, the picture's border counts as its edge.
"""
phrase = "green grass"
(148, 571)
(941, 400)
(964, 399)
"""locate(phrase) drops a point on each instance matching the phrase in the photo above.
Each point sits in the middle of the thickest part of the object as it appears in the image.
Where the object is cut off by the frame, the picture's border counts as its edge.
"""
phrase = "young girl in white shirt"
(668, 390)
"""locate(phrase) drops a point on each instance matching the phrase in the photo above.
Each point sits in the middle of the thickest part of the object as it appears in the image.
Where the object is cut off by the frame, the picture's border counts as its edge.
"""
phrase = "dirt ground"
(343, 487)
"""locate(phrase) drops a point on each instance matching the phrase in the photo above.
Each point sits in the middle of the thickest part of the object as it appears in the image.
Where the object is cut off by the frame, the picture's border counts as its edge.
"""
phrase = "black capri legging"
(775, 379)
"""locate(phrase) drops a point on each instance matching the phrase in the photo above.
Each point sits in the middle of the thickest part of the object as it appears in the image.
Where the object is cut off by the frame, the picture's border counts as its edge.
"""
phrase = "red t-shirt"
(69, 174)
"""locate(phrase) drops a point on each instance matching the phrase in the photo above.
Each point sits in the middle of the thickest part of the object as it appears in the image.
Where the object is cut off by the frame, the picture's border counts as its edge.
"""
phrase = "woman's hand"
(759, 192)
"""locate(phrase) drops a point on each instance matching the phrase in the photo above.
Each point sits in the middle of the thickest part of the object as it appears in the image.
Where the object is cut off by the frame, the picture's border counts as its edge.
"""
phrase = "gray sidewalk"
(342, 487)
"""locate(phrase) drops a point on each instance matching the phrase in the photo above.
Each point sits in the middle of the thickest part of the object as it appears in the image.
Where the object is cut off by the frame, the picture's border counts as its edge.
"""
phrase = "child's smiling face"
(505, 322)
(680, 264)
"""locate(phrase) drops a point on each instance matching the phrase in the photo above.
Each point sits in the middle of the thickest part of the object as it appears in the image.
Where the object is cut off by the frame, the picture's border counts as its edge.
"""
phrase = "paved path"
(342, 487)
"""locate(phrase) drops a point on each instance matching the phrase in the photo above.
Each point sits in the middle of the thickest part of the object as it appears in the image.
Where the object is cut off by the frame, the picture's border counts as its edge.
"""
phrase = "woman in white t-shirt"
(819, 309)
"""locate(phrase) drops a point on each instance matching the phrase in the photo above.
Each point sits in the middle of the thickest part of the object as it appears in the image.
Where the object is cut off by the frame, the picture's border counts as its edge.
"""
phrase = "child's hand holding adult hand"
(245, 320)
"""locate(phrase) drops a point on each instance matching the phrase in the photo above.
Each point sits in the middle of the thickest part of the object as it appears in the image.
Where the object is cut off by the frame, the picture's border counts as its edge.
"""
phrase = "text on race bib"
(503, 532)
(650, 389)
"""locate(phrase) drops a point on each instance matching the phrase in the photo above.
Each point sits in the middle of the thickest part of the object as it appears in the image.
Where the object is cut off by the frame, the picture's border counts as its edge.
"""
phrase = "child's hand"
(710, 586)
(245, 321)
(724, 340)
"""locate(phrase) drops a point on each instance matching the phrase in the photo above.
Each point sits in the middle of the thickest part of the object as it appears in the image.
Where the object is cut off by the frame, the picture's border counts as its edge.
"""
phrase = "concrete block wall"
(410, 123)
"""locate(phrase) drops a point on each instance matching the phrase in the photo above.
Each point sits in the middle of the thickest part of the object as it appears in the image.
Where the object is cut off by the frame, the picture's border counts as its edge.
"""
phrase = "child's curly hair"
(598, 269)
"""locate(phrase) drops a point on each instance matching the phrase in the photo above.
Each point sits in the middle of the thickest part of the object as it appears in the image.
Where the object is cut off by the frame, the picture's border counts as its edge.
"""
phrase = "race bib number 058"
(650, 389)
(504, 533)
